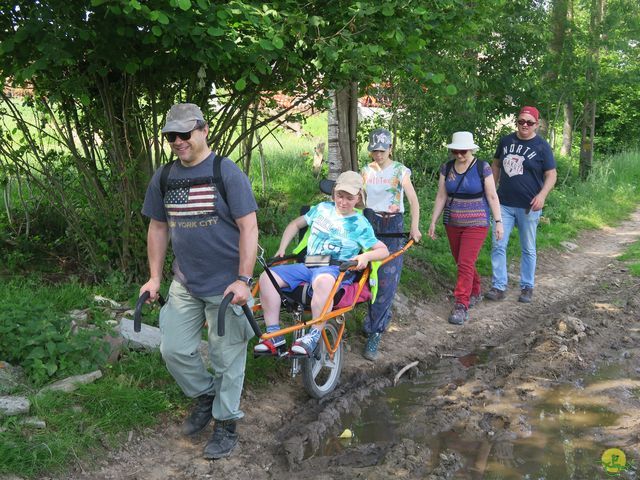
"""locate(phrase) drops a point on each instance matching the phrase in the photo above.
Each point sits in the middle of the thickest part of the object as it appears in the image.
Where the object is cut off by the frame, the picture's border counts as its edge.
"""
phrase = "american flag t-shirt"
(191, 200)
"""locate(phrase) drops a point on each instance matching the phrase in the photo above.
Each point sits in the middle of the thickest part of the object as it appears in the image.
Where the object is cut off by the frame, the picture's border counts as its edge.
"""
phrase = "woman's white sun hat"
(462, 141)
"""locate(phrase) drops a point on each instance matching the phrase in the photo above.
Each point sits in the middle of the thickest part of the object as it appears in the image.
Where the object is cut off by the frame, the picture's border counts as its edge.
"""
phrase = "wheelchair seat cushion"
(343, 297)
(349, 294)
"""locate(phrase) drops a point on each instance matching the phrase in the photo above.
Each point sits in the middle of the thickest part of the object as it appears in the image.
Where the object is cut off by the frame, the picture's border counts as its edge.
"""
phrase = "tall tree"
(561, 56)
(593, 59)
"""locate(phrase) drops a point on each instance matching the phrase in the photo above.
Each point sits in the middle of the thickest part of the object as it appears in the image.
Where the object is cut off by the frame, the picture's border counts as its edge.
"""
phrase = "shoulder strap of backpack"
(480, 167)
(217, 177)
(164, 177)
(448, 168)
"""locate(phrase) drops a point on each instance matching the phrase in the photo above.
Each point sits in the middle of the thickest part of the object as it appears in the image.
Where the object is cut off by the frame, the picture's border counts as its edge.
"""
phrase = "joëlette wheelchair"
(321, 370)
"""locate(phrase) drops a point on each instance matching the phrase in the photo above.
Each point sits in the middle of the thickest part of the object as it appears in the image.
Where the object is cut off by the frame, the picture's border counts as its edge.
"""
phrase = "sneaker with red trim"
(274, 347)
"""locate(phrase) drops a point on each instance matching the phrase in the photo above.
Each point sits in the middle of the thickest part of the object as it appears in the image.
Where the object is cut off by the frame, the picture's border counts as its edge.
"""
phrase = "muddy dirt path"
(536, 346)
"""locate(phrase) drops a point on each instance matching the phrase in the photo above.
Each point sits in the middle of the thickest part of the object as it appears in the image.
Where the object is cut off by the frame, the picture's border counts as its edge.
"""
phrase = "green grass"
(632, 257)
(290, 182)
(136, 393)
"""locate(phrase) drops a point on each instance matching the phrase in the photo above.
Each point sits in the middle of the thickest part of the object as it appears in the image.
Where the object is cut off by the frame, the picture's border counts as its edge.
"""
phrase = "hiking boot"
(495, 294)
(223, 440)
(459, 314)
(200, 416)
(371, 347)
(526, 295)
(275, 347)
(475, 299)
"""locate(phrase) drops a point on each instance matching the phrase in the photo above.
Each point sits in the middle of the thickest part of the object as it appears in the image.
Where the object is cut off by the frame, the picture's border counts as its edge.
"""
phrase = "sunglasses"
(459, 152)
(171, 136)
(530, 123)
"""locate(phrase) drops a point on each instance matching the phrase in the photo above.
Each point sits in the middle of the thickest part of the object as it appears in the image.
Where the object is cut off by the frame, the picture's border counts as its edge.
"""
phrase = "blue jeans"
(379, 314)
(527, 224)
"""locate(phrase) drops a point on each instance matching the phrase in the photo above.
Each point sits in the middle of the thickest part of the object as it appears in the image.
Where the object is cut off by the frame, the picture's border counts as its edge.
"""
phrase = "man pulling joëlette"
(214, 239)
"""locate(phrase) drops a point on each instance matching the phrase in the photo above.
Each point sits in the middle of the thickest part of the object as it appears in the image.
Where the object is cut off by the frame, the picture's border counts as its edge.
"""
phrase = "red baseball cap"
(533, 111)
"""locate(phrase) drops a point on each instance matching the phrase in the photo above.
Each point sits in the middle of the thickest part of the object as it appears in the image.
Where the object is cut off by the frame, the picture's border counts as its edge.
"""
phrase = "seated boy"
(336, 229)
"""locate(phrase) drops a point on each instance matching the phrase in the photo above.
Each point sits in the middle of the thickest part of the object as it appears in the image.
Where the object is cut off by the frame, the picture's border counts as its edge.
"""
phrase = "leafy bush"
(38, 335)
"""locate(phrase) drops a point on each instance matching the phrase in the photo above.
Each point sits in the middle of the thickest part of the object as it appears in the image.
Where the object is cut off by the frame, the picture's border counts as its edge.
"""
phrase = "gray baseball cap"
(379, 139)
(182, 117)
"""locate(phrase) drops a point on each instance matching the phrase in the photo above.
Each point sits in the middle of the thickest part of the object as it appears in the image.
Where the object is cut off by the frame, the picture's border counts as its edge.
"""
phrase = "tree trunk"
(559, 29)
(567, 129)
(343, 129)
(334, 159)
(560, 43)
(593, 60)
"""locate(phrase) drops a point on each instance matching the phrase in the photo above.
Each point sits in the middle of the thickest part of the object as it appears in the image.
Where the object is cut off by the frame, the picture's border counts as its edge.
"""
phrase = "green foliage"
(472, 86)
(136, 393)
(575, 73)
(39, 335)
(100, 92)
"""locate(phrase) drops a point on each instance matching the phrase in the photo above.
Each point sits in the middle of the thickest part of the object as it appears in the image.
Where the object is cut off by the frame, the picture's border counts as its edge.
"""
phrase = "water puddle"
(561, 432)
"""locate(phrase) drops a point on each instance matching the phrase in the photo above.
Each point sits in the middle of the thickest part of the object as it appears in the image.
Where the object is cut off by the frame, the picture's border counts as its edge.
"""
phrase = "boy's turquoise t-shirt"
(332, 234)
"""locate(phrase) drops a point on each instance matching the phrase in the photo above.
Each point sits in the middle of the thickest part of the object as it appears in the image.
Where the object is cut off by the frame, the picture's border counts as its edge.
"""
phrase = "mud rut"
(534, 351)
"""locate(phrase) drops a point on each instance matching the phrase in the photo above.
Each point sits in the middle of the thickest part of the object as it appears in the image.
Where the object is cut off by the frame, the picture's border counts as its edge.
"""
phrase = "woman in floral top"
(385, 182)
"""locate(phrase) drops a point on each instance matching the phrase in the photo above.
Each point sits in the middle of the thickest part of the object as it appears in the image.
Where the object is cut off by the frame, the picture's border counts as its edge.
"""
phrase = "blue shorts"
(297, 273)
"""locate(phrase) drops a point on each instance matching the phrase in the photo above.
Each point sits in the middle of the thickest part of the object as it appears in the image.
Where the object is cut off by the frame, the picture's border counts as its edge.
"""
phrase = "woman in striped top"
(466, 193)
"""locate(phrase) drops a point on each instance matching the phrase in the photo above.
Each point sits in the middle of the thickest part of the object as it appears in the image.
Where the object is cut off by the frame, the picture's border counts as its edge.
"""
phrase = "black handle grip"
(344, 266)
(393, 235)
(137, 316)
(247, 313)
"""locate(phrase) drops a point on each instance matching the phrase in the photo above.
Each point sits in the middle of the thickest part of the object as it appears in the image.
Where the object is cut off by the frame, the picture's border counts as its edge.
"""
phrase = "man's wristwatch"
(248, 280)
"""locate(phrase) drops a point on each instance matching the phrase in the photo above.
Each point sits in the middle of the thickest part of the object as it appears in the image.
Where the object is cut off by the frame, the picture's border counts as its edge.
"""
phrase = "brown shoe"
(526, 295)
(495, 294)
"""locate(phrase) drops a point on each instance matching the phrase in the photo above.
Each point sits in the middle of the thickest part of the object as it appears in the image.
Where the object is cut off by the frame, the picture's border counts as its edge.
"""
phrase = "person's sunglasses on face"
(171, 136)
(184, 136)
(523, 122)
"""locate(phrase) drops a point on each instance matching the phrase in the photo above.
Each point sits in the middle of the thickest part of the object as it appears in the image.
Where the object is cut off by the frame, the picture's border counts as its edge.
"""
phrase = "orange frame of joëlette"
(326, 313)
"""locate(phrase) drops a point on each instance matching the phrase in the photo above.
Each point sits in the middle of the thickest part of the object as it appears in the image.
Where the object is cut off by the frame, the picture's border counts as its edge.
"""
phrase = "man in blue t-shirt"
(525, 171)
(214, 239)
